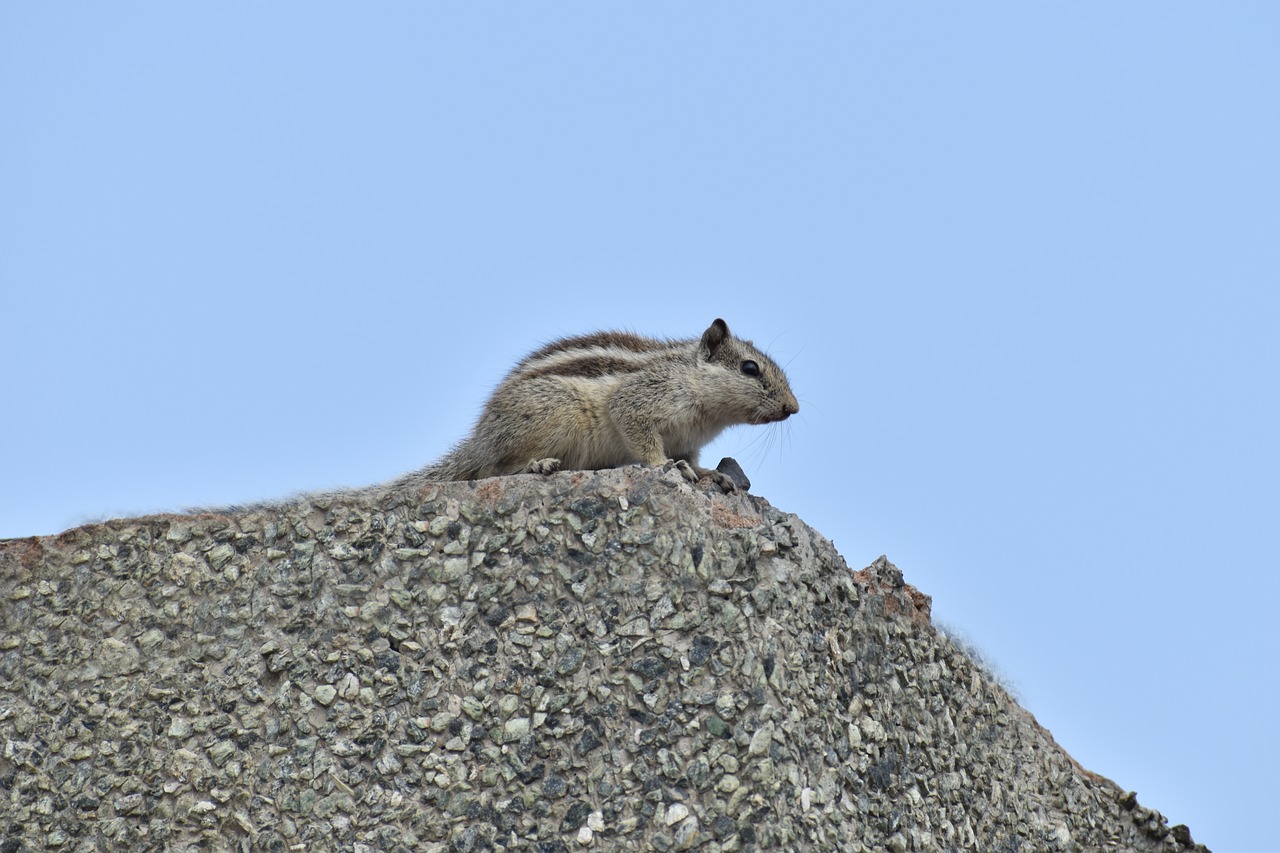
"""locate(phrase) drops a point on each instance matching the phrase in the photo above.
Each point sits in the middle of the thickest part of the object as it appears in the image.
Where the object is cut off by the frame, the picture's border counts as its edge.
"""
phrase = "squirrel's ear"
(714, 336)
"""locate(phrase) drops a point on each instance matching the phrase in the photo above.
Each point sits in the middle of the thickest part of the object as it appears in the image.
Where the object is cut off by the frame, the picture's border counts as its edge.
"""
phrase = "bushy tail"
(448, 468)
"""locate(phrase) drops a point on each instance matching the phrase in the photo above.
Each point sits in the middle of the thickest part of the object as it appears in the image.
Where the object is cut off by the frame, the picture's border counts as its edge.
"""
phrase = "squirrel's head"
(759, 386)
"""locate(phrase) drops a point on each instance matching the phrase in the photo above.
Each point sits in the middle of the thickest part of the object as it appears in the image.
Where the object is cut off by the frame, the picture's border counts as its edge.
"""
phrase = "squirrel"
(608, 399)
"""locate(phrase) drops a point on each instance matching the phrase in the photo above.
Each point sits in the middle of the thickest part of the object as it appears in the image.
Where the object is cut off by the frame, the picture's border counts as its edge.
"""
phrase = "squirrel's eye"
(750, 368)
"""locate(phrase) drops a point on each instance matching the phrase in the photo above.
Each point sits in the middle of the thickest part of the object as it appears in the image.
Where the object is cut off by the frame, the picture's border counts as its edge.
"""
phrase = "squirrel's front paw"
(686, 470)
(542, 466)
(724, 481)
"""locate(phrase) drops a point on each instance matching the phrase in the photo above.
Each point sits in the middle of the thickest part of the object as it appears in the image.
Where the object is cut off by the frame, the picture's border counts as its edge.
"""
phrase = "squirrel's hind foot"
(542, 466)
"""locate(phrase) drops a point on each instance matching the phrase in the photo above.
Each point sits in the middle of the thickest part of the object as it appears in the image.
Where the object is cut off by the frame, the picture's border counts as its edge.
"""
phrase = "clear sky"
(1021, 261)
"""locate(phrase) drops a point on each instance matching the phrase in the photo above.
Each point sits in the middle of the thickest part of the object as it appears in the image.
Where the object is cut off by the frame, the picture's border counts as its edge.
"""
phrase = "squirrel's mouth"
(781, 414)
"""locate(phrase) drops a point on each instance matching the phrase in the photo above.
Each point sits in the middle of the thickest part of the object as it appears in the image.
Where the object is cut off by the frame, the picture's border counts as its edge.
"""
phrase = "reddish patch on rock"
(27, 552)
(489, 490)
(725, 514)
(904, 600)
(922, 602)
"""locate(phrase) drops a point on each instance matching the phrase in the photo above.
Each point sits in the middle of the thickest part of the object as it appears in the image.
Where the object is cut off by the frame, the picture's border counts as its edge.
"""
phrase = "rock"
(731, 469)
(553, 657)
(116, 657)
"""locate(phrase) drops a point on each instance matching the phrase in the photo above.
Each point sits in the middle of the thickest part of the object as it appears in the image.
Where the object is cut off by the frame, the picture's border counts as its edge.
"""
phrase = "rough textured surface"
(594, 660)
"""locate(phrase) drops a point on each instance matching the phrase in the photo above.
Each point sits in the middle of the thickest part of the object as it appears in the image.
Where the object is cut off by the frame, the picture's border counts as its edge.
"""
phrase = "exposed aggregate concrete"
(593, 660)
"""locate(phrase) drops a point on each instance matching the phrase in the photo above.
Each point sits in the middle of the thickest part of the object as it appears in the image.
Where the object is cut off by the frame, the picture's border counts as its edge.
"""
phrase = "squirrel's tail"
(448, 468)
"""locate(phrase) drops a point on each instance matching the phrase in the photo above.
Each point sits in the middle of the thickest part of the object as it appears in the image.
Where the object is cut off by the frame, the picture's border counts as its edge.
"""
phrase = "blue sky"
(1020, 260)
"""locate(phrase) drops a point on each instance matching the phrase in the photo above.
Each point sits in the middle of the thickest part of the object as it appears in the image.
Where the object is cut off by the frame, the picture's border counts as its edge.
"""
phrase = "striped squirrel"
(614, 398)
